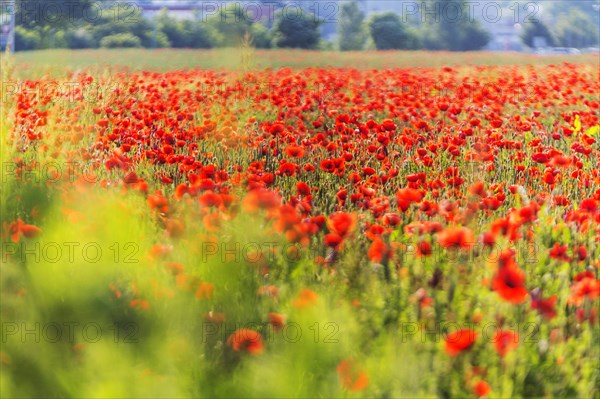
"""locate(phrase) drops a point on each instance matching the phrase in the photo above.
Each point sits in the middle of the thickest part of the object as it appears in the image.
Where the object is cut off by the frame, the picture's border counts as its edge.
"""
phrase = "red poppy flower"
(379, 251)
(477, 189)
(342, 223)
(333, 240)
(158, 201)
(246, 340)
(488, 239)
(181, 190)
(424, 248)
(559, 252)
(546, 307)
(327, 165)
(294, 151)
(302, 188)
(509, 283)
(210, 199)
(589, 205)
(482, 389)
(277, 321)
(388, 125)
(505, 341)
(391, 219)
(460, 341)
(342, 195)
(580, 251)
(456, 237)
(19, 228)
(261, 199)
(407, 196)
(584, 286)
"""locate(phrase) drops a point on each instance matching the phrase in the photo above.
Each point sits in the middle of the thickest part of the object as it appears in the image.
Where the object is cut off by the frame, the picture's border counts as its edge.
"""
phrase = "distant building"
(504, 32)
(7, 25)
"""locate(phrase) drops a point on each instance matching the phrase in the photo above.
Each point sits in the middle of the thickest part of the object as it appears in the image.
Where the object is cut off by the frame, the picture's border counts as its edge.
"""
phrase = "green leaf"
(394, 235)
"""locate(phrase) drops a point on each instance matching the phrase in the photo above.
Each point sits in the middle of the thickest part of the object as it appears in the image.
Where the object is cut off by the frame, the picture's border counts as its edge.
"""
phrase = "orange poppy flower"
(205, 290)
(305, 299)
(351, 378)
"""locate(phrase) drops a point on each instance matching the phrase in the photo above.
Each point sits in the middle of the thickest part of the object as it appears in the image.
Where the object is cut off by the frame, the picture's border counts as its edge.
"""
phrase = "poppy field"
(308, 232)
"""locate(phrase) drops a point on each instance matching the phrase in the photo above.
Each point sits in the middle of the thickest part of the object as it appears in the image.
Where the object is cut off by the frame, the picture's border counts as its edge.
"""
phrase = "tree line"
(227, 28)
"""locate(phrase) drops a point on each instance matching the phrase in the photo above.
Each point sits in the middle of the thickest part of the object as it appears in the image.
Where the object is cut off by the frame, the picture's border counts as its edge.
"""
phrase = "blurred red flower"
(509, 283)
(504, 341)
(456, 237)
(342, 223)
(246, 340)
(460, 341)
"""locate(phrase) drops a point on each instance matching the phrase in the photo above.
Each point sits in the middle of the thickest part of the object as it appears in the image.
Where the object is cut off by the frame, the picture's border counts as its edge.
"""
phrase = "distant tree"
(473, 37)
(230, 25)
(351, 29)
(297, 30)
(53, 22)
(173, 29)
(186, 33)
(452, 29)
(34, 14)
(120, 40)
(576, 29)
(537, 28)
(27, 39)
(261, 36)
(558, 7)
(134, 23)
(388, 33)
(80, 38)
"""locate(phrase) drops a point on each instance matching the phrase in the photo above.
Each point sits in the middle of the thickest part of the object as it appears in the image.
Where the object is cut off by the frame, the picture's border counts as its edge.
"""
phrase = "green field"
(33, 63)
